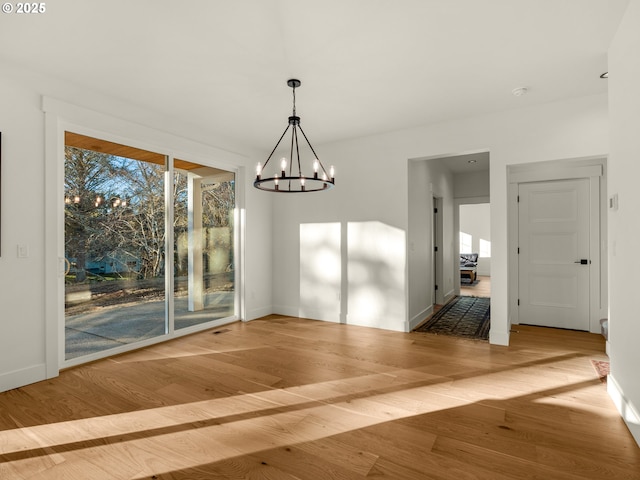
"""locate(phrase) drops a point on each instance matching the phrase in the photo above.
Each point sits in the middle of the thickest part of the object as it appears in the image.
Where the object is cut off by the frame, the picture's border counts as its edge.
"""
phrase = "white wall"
(372, 184)
(624, 225)
(475, 220)
(420, 236)
(471, 185)
(24, 339)
(441, 183)
(428, 179)
(369, 204)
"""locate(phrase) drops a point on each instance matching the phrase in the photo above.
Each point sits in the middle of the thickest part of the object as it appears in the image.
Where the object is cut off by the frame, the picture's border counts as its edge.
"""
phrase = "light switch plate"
(23, 251)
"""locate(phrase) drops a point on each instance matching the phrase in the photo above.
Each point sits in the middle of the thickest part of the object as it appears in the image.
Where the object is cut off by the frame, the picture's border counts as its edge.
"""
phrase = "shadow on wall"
(320, 271)
(353, 273)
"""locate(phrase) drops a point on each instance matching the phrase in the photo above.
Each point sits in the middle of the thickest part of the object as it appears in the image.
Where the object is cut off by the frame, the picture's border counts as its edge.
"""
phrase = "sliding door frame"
(61, 117)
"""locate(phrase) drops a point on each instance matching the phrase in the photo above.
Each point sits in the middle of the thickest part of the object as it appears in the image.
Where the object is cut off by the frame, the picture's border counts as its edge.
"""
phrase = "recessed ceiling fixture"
(291, 178)
(520, 91)
(605, 75)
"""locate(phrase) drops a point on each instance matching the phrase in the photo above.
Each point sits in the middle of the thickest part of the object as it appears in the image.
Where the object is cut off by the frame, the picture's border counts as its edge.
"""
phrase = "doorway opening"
(475, 249)
(437, 188)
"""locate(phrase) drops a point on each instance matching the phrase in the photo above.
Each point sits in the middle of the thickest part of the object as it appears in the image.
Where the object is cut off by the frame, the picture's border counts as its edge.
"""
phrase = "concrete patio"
(109, 327)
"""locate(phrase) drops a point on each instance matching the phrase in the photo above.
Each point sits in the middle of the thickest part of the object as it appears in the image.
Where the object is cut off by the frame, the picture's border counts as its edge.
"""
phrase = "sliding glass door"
(118, 225)
(204, 266)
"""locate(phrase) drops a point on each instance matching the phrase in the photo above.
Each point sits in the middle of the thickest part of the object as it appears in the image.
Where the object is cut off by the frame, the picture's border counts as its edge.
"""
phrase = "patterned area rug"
(462, 317)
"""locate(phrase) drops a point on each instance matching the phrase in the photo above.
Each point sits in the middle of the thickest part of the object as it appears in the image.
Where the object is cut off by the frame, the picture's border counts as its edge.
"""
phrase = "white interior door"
(553, 261)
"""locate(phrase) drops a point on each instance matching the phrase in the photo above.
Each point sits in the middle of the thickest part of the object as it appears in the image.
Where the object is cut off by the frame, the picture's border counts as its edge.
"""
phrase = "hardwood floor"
(480, 289)
(285, 398)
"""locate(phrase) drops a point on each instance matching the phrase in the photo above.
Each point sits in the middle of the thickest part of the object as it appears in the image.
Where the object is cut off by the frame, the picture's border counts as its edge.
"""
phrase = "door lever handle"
(583, 261)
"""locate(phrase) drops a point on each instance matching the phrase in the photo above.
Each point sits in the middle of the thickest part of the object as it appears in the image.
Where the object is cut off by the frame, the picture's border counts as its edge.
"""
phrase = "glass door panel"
(204, 257)
(114, 245)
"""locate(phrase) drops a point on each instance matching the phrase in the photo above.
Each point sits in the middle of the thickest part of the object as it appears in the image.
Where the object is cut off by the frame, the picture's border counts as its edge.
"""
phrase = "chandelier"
(290, 178)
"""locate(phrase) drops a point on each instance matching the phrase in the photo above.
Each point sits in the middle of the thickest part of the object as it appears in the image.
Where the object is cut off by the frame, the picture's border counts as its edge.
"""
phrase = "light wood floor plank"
(287, 398)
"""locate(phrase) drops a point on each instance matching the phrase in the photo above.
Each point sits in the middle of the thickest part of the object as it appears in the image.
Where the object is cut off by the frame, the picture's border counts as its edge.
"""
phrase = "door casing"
(592, 168)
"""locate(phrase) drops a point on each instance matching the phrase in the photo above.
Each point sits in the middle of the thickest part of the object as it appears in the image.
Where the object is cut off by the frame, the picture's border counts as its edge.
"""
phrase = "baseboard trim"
(258, 313)
(285, 310)
(309, 314)
(22, 377)
(449, 295)
(419, 318)
(321, 315)
(498, 338)
(627, 410)
(376, 322)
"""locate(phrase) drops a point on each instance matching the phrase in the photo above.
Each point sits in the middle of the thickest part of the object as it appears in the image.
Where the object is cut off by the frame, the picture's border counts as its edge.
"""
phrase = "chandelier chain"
(294, 100)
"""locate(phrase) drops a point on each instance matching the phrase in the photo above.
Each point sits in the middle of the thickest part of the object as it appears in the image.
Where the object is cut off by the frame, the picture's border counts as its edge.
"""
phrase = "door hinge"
(518, 250)
(518, 199)
(435, 210)
(435, 249)
(518, 302)
(436, 287)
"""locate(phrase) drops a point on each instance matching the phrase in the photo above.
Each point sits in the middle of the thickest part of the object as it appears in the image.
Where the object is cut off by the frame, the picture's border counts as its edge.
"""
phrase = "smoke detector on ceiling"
(520, 91)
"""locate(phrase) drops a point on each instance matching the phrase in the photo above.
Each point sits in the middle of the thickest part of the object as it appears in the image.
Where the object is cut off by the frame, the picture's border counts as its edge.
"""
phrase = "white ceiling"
(367, 66)
(469, 163)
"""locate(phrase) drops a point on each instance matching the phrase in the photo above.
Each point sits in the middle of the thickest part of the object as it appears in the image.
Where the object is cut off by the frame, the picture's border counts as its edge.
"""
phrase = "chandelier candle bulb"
(258, 170)
(332, 173)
